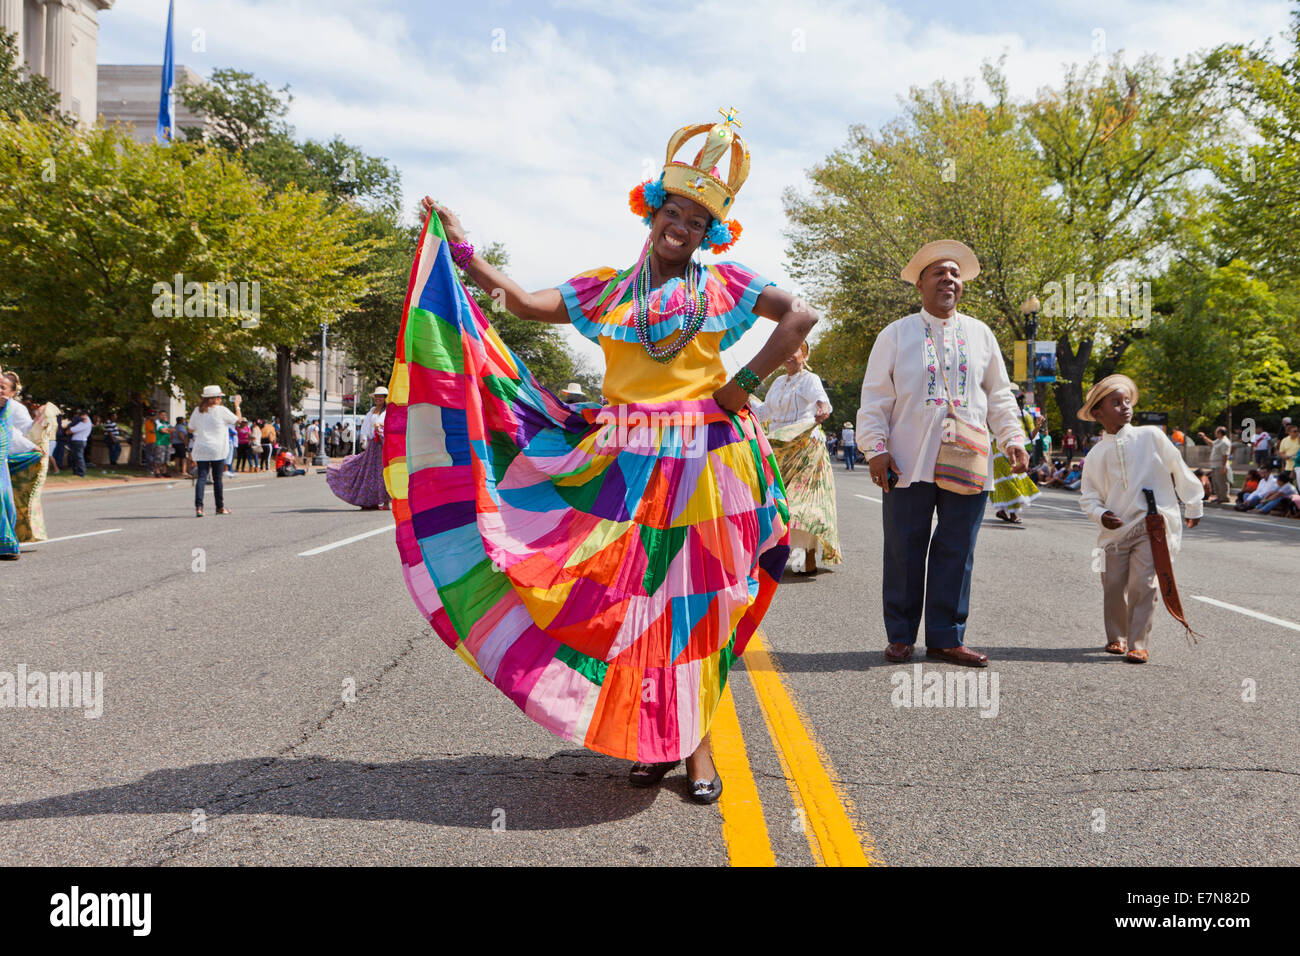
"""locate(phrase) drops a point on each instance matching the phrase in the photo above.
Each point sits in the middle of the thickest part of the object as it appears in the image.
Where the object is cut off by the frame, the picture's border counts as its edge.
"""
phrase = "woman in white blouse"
(795, 406)
(923, 368)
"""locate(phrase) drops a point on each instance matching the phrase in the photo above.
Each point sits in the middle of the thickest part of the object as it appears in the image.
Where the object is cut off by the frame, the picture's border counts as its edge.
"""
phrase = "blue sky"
(533, 120)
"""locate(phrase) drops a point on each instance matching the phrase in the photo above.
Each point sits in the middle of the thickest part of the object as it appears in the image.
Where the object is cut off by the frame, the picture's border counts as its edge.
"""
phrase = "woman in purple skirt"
(359, 479)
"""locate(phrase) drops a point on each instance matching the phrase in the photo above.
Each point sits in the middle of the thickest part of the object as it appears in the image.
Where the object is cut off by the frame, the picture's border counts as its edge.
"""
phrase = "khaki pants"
(1219, 482)
(1129, 588)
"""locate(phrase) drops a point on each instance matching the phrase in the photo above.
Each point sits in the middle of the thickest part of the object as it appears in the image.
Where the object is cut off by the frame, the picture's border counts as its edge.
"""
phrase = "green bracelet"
(747, 380)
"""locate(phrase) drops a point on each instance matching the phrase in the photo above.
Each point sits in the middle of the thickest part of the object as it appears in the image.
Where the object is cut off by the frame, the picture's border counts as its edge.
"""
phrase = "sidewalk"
(59, 485)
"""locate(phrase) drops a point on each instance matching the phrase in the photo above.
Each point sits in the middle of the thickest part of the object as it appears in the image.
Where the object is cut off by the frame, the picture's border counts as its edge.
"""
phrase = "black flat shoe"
(648, 774)
(706, 792)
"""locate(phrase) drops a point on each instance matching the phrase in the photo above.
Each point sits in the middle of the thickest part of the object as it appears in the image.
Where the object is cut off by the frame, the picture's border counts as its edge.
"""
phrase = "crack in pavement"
(160, 844)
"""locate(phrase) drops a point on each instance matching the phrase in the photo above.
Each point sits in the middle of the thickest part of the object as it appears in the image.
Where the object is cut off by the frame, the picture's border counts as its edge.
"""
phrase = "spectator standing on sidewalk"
(162, 447)
(1220, 450)
(180, 443)
(211, 426)
(849, 442)
(78, 435)
(112, 438)
(1263, 441)
(1070, 445)
(1288, 449)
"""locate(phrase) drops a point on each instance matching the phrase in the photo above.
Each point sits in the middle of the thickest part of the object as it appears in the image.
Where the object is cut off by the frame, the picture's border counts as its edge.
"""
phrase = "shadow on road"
(570, 789)
(822, 663)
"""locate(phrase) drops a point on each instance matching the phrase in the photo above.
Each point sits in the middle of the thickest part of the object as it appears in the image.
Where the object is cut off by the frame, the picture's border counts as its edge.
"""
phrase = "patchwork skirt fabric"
(805, 467)
(20, 475)
(602, 567)
(1011, 492)
(359, 479)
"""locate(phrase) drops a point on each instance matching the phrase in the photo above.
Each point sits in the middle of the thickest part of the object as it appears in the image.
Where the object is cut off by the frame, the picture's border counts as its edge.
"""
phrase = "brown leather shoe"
(964, 656)
(898, 653)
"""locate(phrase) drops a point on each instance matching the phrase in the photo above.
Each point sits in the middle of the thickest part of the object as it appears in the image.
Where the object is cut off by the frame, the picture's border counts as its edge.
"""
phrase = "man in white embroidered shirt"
(924, 368)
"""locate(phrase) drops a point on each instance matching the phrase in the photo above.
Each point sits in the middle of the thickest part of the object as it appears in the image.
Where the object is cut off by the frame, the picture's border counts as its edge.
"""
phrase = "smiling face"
(1114, 411)
(795, 363)
(941, 286)
(678, 228)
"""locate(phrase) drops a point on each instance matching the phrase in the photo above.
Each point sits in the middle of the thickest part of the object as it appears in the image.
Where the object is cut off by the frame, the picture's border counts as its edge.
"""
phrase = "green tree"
(951, 166)
(538, 345)
(1217, 346)
(253, 376)
(90, 224)
(23, 93)
(1121, 145)
(96, 231)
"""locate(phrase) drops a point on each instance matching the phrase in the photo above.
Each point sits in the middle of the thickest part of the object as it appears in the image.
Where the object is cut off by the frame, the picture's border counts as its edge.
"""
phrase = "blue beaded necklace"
(695, 303)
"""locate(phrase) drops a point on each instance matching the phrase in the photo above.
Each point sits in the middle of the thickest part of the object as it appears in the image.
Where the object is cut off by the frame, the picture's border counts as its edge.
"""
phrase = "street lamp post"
(321, 458)
(353, 427)
(1029, 308)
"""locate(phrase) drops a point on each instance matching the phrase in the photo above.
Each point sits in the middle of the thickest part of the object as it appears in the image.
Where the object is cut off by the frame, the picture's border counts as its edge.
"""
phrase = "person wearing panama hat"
(1127, 465)
(210, 426)
(359, 479)
(573, 393)
(924, 370)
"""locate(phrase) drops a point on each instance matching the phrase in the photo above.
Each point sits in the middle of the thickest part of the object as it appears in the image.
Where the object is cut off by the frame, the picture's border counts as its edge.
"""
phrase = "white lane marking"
(69, 537)
(1248, 612)
(867, 498)
(339, 544)
(243, 487)
(1074, 511)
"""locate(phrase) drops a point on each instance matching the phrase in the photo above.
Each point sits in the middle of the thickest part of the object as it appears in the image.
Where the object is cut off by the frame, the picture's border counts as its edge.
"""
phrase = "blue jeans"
(114, 449)
(850, 456)
(218, 469)
(930, 572)
(1270, 505)
(78, 458)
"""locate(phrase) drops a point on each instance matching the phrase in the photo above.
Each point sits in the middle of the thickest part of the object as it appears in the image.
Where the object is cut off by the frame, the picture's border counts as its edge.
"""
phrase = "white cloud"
(538, 145)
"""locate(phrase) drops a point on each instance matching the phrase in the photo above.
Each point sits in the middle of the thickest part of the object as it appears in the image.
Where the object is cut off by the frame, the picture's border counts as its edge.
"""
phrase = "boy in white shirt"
(1126, 462)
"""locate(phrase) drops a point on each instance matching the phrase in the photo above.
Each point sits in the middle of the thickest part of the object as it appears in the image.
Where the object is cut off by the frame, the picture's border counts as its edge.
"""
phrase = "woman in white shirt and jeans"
(209, 426)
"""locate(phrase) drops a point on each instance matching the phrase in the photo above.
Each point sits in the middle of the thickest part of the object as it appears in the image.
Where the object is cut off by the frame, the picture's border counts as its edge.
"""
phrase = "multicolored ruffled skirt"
(602, 567)
(805, 467)
(359, 479)
(21, 479)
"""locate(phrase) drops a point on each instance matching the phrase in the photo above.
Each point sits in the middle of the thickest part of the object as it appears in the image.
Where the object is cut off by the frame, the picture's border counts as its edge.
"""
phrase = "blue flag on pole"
(166, 113)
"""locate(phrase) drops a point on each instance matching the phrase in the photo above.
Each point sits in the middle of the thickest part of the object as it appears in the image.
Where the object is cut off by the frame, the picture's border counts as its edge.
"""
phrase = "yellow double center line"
(832, 837)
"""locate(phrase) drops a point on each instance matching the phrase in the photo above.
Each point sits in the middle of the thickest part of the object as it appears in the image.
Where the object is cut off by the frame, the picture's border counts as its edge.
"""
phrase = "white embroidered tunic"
(904, 401)
(1121, 465)
(793, 398)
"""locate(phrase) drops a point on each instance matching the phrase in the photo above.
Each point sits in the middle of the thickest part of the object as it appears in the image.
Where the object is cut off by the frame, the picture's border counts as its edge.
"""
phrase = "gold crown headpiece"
(698, 181)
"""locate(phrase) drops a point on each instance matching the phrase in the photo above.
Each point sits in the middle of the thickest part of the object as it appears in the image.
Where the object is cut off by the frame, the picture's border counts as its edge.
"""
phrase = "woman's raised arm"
(545, 305)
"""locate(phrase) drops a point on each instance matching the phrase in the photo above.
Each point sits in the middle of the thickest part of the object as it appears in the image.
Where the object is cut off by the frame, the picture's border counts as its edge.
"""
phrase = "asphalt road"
(262, 705)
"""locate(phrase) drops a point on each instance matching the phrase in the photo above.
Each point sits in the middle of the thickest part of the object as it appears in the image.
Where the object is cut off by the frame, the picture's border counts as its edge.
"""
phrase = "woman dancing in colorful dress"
(359, 479)
(795, 406)
(22, 471)
(603, 567)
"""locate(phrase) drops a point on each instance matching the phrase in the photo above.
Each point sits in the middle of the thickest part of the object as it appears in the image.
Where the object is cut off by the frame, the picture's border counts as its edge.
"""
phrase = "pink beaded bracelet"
(461, 253)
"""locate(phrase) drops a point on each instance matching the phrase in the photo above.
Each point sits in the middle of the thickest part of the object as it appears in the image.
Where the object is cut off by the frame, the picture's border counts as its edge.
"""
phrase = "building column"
(11, 19)
(58, 48)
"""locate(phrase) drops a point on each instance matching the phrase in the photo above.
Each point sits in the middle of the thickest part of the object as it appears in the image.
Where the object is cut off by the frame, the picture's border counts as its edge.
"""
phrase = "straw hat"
(212, 391)
(573, 388)
(1103, 388)
(380, 391)
(936, 251)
